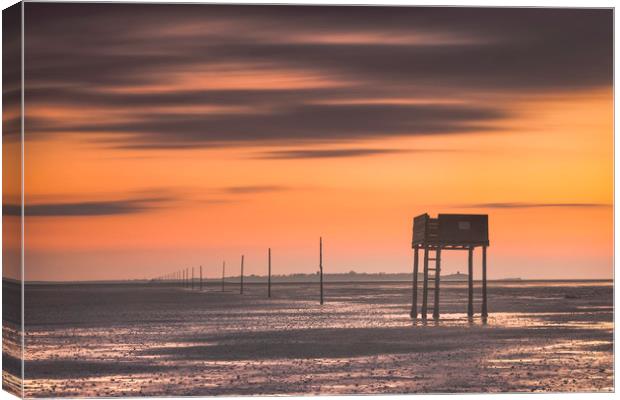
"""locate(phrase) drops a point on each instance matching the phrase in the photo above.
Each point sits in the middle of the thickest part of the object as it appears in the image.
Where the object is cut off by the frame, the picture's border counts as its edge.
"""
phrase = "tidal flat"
(87, 340)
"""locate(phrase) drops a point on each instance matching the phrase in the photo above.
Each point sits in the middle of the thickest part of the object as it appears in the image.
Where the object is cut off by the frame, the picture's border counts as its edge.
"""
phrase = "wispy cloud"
(144, 72)
(86, 208)
(253, 189)
(329, 153)
(140, 48)
(300, 123)
(535, 205)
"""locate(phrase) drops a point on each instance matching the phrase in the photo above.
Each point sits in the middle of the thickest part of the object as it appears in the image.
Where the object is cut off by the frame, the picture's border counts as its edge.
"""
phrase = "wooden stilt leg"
(223, 274)
(321, 266)
(414, 300)
(470, 284)
(269, 273)
(484, 282)
(241, 288)
(425, 285)
(437, 279)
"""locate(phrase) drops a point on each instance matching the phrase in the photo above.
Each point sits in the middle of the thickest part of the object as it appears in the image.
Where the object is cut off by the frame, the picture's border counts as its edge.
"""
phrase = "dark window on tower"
(464, 225)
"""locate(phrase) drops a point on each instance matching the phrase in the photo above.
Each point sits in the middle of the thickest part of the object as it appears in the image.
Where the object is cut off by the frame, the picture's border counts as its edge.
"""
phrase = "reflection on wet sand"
(122, 340)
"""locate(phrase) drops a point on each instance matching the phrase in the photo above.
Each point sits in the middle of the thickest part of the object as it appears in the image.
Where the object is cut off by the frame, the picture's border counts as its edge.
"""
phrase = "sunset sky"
(160, 137)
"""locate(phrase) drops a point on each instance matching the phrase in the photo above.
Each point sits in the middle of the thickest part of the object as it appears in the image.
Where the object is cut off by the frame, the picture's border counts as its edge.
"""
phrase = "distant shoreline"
(235, 280)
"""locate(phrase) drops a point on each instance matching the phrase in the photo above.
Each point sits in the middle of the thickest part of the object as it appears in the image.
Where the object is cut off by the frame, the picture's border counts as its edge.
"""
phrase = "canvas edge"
(12, 201)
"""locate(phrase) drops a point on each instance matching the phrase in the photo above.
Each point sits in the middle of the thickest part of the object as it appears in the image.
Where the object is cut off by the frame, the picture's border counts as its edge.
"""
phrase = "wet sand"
(134, 340)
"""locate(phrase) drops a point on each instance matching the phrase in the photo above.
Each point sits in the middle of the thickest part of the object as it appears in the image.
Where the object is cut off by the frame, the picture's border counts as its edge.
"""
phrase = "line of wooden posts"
(185, 280)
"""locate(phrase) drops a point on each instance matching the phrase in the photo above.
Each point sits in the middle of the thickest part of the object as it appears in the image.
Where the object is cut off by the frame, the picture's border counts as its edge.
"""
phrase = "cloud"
(253, 189)
(131, 205)
(140, 65)
(86, 208)
(536, 205)
(515, 48)
(328, 153)
(292, 124)
(76, 97)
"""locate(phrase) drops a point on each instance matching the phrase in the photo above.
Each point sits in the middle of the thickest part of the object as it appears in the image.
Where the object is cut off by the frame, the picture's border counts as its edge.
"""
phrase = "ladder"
(431, 282)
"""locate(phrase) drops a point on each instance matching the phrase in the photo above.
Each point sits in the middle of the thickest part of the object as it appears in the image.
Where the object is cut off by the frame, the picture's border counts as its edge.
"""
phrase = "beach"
(160, 339)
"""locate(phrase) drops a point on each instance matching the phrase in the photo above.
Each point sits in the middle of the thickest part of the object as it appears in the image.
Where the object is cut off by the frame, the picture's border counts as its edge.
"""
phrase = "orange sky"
(106, 208)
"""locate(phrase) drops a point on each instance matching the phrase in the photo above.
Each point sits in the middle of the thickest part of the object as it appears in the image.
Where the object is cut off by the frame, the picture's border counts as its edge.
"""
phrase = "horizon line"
(235, 279)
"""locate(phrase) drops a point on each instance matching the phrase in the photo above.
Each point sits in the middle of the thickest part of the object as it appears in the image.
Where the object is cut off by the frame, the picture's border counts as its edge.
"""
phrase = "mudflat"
(156, 339)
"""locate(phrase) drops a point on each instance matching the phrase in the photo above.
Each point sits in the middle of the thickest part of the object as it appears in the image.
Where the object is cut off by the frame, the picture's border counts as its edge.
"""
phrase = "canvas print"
(221, 199)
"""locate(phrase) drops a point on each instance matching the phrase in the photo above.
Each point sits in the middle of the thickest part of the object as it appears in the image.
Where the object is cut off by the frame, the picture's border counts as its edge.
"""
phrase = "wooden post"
(470, 283)
(484, 282)
(192, 278)
(269, 273)
(201, 278)
(241, 289)
(437, 279)
(321, 266)
(425, 285)
(414, 295)
(223, 274)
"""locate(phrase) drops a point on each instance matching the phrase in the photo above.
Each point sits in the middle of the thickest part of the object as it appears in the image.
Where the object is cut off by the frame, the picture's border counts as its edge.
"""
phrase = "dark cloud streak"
(511, 48)
(299, 124)
(440, 52)
(331, 153)
(86, 208)
(511, 205)
(253, 189)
